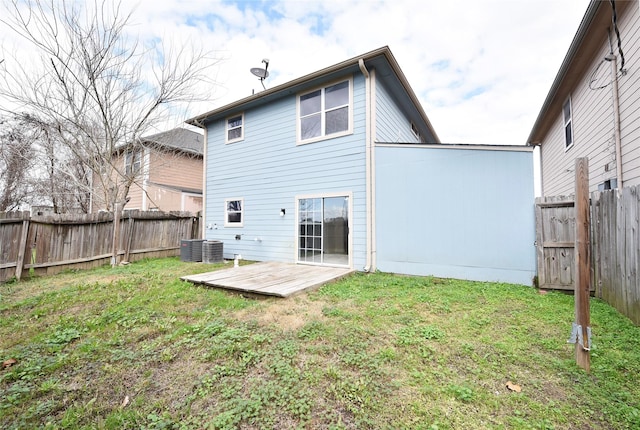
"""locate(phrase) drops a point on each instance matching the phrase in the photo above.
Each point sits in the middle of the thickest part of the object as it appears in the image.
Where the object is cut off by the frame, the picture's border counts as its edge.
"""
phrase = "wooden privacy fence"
(615, 239)
(49, 244)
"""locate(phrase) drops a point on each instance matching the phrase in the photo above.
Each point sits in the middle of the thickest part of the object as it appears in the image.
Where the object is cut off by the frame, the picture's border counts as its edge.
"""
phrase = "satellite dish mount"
(262, 73)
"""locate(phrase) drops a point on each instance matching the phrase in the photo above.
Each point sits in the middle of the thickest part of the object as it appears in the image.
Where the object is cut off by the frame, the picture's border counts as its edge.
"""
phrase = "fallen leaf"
(8, 363)
(513, 387)
(125, 402)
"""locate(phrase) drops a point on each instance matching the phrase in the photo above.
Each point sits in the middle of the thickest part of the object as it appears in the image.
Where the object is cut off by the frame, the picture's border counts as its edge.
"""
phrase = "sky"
(480, 68)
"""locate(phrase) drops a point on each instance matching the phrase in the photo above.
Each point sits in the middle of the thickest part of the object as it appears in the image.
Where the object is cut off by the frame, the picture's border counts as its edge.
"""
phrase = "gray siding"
(459, 213)
(268, 170)
(392, 125)
(593, 120)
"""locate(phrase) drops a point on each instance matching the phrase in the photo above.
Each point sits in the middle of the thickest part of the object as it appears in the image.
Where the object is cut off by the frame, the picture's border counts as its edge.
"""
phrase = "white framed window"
(234, 128)
(234, 212)
(325, 112)
(132, 162)
(567, 116)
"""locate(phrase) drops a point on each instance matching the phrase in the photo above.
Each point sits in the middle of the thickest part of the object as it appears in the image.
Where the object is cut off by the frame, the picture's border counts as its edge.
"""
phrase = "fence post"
(23, 246)
(583, 264)
(116, 235)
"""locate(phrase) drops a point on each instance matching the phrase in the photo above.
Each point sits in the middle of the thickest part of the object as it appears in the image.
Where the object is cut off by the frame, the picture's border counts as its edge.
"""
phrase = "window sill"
(321, 138)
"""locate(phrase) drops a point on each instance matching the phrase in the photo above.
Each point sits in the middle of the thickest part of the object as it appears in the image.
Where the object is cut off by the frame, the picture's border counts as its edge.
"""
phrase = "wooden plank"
(542, 278)
(558, 245)
(271, 278)
(583, 262)
(629, 253)
(634, 293)
(21, 250)
(557, 204)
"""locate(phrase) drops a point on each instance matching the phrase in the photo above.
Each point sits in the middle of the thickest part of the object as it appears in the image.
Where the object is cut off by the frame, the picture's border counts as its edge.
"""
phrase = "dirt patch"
(288, 314)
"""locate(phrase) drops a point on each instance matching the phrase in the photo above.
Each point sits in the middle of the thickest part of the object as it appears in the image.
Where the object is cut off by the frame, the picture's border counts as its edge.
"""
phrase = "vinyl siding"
(474, 220)
(593, 121)
(268, 170)
(176, 170)
(392, 125)
(629, 88)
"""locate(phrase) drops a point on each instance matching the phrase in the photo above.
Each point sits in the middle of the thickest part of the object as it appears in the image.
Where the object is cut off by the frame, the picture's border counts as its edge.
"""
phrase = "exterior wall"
(593, 121)
(629, 88)
(391, 124)
(98, 195)
(163, 175)
(168, 174)
(177, 170)
(268, 171)
(458, 213)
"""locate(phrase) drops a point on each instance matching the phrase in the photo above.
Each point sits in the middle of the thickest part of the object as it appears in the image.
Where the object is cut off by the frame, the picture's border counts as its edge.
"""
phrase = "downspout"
(203, 218)
(616, 119)
(368, 183)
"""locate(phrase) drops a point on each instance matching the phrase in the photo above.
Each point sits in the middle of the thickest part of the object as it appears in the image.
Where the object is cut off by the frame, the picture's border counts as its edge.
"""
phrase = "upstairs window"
(233, 212)
(235, 128)
(325, 112)
(132, 162)
(568, 124)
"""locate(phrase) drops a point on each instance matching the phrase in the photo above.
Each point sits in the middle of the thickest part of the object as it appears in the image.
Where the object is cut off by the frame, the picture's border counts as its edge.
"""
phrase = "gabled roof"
(381, 59)
(179, 139)
(587, 41)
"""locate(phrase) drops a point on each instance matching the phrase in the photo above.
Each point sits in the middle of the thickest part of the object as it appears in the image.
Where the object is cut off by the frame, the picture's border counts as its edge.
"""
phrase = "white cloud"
(481, 68)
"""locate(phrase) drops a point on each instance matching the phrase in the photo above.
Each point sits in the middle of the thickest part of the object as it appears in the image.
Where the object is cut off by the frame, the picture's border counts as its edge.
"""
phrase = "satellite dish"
(261, 73)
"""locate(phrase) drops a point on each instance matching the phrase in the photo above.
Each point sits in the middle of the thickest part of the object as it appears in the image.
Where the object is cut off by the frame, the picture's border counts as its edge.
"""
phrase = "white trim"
(183, 197)
(465, 146)
(372, 135)
(203, 219)
(296, 247)
(242, 212)
(322, 136)
(241, 127)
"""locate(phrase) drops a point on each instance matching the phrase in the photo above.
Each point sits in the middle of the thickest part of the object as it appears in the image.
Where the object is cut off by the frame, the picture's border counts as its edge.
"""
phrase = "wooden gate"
(555, 242)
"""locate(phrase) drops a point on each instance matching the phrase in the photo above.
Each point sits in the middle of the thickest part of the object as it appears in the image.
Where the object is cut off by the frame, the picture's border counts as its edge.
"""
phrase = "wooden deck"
(270, 278)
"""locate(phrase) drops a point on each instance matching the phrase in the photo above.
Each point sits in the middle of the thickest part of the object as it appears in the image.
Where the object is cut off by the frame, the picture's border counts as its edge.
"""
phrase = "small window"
(132, 162)
(416, 133)
(568, 124)
(234, 212)
(325, 112)
(609, 184)
(235, 128)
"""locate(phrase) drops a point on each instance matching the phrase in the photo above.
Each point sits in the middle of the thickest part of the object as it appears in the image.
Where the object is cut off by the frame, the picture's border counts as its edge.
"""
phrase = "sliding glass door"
(323, 230)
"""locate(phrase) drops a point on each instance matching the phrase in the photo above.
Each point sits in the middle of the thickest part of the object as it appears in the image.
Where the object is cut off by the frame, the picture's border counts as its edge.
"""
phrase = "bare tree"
(95, 86)
(16, 161)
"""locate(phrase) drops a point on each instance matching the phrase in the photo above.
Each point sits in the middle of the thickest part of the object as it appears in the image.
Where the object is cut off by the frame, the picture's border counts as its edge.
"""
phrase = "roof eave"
(199, 120)
(579, 38)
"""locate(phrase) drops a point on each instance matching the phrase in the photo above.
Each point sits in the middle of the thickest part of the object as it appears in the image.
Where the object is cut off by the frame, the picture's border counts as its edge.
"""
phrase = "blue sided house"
(343, 168)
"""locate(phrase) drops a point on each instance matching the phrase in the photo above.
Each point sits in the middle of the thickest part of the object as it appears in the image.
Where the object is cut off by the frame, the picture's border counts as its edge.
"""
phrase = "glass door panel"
(323, 233)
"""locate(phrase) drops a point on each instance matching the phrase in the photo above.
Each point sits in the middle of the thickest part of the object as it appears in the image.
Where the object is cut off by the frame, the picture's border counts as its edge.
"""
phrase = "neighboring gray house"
(593, 107)
(342, 167)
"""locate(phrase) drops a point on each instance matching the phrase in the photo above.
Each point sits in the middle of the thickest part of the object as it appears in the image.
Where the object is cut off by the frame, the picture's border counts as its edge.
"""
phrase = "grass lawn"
(135, 347)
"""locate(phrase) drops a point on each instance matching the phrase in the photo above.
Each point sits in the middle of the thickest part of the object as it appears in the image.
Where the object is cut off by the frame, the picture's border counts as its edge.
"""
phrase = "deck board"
(270, 278)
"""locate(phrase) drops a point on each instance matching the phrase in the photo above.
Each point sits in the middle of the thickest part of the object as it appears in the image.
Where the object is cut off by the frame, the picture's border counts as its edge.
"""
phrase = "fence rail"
(50, 244)
(614, 246)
